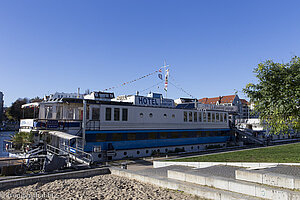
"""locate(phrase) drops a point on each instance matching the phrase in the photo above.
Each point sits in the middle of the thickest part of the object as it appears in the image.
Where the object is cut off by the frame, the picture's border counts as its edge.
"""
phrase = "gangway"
(72, 154)
(35, 151)
(68, 145)
(248, 134)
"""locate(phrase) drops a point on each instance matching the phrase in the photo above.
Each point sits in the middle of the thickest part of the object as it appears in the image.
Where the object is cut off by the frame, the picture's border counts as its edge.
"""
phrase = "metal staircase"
(74, 155)
(249, 135)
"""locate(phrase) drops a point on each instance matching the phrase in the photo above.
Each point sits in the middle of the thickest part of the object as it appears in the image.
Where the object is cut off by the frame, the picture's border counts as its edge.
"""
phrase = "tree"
(14, 113)
(35, 99)
(276, 96)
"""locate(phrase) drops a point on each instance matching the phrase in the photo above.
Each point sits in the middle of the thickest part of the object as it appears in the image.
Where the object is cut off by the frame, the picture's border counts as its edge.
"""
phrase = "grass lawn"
(277, 154)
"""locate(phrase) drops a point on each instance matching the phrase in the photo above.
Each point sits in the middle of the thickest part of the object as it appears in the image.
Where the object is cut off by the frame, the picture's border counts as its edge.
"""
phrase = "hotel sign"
(156, 102)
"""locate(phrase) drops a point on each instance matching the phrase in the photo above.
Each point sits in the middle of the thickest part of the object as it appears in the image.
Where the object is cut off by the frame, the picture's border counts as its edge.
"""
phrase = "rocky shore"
(93, 188)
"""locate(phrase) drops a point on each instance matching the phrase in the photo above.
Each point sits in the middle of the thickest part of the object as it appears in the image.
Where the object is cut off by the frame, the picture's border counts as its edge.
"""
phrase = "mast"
(83, 123)
(166, 77)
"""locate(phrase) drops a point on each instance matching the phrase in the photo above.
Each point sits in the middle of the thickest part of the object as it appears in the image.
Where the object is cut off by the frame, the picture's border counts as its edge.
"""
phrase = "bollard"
(123, 166)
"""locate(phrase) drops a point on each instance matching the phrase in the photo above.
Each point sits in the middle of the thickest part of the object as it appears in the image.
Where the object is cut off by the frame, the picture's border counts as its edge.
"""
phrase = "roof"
(228, 99)
(63, 135)
(186, 105)
(30, 105)
(244, 101)
(220, 99)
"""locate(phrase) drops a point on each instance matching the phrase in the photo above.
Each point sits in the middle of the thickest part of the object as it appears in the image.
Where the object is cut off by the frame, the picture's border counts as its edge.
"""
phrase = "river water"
(4, 136)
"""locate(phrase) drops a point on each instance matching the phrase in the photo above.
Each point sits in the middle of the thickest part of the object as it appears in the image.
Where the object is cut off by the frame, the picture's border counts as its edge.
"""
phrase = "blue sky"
(211, 46)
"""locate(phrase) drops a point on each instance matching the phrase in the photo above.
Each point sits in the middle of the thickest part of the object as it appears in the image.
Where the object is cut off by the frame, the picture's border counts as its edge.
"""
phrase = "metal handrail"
(91, 125)
(59, 121)
(55, 150)
(80, 154)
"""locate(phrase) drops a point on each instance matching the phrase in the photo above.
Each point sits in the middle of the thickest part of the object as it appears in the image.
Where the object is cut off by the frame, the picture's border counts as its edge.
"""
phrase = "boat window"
(200, 117)
(70, 113)
(217, 117)
(185, 134)
(173, 116)
(150, 115)
(116, 137)
(190, 116)
(164, 135)
(152, 136)
(165, 115)
(225, 117)
(108, 114)
(185, 116)
(213, 117)
(117, 114)
(59, 112)
(221, 117)
(87, 112)
(199, 133)
(175, 135)
(101, 137)
(48, 112)
(95, 113)
(204, 117)
(141, 115)
(124, 114)
(131, 136)
(209, 117)
(195, 116)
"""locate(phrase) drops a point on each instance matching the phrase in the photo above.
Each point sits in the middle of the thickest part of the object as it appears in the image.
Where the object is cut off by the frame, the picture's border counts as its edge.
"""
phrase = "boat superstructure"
(109, 128)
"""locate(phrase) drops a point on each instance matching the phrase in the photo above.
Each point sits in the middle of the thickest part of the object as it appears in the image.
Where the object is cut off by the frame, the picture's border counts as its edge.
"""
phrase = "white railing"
(79, 154)
(72, 152)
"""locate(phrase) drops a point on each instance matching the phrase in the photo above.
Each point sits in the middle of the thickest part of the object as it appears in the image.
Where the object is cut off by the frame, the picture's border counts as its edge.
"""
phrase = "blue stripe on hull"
(138, 144)
(151, 131)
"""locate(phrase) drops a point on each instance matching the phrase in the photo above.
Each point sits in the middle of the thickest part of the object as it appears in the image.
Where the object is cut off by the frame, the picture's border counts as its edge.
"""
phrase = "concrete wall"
(242, 187)
(268, 178)
(157, 164)
(204, 192)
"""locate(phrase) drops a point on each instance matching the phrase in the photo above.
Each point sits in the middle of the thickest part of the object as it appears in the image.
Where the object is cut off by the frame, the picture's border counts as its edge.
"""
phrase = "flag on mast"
(166, 80)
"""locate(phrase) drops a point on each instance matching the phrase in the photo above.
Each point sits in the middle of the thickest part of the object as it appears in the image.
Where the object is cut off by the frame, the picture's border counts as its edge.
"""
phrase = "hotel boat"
(126, 126)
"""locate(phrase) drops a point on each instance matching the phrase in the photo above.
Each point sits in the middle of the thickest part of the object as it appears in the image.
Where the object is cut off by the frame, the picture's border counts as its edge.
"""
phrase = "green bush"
(21, 138)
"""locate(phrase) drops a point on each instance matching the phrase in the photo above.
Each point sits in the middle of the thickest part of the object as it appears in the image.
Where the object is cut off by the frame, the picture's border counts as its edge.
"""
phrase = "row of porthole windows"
(147, 151)
(151, 115)
(158, 150)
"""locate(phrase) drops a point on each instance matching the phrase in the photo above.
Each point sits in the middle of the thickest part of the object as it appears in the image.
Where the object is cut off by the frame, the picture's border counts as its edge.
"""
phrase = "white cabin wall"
(42, 111)
(158, 121)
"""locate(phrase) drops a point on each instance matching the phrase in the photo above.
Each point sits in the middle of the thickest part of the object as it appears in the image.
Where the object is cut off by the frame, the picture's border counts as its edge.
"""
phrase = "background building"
(58, 95)
(1, 106)
(230, 100)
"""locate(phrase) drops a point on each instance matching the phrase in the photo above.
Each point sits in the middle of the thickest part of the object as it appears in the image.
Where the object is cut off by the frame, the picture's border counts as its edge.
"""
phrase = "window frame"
(108, 114)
